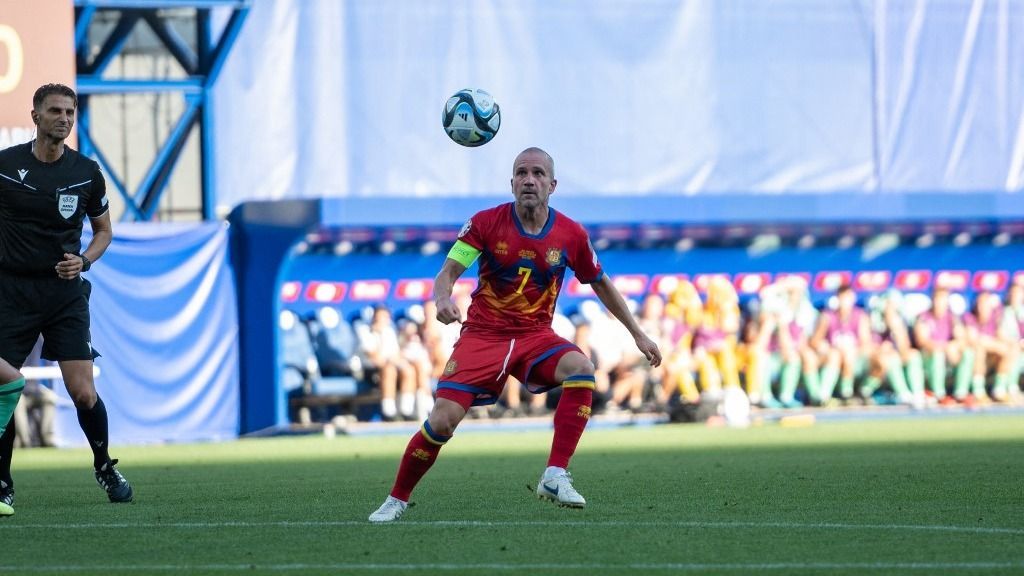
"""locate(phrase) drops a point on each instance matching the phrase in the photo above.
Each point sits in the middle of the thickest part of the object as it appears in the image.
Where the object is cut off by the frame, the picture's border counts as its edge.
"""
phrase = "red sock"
(571, 418)
(419, 456)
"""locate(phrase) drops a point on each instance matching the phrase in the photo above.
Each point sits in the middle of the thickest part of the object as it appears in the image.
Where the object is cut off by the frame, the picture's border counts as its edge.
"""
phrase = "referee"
(46, 191)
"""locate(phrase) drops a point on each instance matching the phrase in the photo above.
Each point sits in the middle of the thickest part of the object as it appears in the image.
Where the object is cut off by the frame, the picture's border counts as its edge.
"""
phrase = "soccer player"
(714, 344)
(685, 310)
(788, 317)
(524, 249)
(993, 348)
(10, 392)
(941, 337)
(843, 340)
(894, 356)
(1013, 320)
(46, 191)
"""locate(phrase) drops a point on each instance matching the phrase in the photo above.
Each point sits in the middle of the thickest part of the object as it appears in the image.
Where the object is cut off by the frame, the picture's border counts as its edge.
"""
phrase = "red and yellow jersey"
(521, 274)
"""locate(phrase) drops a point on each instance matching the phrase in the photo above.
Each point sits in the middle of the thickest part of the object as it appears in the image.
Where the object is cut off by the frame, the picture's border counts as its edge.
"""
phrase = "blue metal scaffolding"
(201, 64)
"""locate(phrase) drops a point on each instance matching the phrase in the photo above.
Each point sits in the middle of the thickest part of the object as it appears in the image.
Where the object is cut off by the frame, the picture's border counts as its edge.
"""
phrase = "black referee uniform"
(42, 207)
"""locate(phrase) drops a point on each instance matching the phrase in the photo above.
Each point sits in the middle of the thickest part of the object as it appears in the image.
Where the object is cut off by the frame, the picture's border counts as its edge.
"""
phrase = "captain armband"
(463, 253)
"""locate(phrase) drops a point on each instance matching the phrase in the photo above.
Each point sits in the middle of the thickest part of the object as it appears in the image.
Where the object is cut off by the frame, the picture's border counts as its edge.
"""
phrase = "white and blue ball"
(471, 117)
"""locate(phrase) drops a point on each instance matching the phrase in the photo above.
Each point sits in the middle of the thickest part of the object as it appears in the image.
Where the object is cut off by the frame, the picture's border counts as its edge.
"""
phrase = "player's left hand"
(70, 267)
(649, 349)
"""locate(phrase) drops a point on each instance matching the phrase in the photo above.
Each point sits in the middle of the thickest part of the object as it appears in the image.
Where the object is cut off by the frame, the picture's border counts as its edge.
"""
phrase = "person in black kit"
(46, 191)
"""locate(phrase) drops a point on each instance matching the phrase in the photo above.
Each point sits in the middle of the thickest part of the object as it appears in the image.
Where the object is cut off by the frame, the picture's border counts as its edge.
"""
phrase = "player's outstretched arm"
(447, 311)
(610, 297)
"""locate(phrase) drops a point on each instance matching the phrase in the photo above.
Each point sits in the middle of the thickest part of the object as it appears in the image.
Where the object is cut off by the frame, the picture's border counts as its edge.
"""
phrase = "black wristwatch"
(86, 263)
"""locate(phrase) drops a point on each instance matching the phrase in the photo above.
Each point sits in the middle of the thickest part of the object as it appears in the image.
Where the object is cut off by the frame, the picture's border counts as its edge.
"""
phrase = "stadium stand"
(892, 284)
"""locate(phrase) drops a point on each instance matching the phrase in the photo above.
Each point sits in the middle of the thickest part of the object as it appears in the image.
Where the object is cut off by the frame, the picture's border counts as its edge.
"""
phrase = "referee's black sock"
(6, 451)
(94, 423)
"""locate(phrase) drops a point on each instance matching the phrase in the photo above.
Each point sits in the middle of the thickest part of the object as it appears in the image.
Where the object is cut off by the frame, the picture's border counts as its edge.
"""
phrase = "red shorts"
(481, 362)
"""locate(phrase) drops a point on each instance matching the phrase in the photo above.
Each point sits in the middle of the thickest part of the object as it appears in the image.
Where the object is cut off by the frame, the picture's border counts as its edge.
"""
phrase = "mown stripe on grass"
(651, 567)
(13, 525)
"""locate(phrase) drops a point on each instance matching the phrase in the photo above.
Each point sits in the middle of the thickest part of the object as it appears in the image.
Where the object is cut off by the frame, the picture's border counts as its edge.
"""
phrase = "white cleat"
(558, 489)
(391, 510)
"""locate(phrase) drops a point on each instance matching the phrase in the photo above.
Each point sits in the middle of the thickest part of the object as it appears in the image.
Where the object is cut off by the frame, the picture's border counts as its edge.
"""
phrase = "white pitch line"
(692, 567)
(13, 525)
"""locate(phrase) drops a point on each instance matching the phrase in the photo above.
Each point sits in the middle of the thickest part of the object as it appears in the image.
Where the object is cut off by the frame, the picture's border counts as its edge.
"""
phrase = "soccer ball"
(471, 117)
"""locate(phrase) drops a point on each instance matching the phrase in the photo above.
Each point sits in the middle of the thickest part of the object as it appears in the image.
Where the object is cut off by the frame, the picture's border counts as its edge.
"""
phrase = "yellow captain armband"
(463, 253)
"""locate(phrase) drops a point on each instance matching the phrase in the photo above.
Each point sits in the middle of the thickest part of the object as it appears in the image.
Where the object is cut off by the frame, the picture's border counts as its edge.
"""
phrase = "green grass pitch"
(920, 496)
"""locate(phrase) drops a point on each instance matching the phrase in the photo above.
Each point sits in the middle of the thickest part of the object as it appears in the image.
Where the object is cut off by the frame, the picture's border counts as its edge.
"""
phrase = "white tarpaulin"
(321, 98)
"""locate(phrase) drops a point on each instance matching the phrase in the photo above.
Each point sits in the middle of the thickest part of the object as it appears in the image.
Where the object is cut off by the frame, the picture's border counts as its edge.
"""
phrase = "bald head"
(533, 181)
(533, 150)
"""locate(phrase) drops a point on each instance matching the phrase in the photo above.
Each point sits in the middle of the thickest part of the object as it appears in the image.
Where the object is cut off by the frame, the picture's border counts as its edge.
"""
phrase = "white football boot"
(556, 485)
(391, 510)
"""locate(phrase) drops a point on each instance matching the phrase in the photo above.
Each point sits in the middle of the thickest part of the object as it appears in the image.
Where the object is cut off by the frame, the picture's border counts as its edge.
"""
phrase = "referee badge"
(67, 204)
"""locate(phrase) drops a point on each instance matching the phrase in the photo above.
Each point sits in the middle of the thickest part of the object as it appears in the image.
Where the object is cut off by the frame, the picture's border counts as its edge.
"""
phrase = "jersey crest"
(521, 274)
(450, 368)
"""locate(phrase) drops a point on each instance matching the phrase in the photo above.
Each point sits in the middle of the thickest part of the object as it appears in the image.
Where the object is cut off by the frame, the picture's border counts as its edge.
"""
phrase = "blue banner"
(165, 321)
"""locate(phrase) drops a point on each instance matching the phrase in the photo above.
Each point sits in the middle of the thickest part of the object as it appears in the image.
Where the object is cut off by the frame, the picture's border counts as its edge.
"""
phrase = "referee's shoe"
(118, 489)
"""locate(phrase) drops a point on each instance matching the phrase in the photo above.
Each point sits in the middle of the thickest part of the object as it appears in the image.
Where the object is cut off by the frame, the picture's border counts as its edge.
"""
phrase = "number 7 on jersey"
(525, 272)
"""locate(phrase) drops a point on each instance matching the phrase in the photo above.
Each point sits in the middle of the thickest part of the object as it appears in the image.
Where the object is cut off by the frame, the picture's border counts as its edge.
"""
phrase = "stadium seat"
(303, 376)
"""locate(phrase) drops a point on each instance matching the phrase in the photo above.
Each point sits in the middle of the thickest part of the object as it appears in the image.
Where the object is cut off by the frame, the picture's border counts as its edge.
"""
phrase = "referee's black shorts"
(58, 309)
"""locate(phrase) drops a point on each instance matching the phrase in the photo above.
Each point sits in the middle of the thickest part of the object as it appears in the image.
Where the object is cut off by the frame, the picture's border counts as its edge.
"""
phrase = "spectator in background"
(941, 338)
(380, 351)
(993, 349)
(714, 347)
(759, 356)
(414, 351)
(788, 321)
(602, 385)
(658, 327)
(893, 357)
(684, 310)
(752, 360)
(35, 415)
(619, 357)
(1013, 326)
(843, 340)
(37, 410)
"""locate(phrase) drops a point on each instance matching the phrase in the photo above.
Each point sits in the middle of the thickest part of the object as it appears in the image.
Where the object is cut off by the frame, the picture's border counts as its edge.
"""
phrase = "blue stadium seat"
(305, 344)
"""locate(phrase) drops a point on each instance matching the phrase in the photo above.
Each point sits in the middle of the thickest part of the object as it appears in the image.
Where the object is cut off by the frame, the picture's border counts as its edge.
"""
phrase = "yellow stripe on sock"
(578, 384)
(423, 430)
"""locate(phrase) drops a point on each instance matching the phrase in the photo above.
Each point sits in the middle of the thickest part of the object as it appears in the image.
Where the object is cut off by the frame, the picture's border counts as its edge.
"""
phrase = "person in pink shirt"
(993, 349)
(842, 339)
(940, 336)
